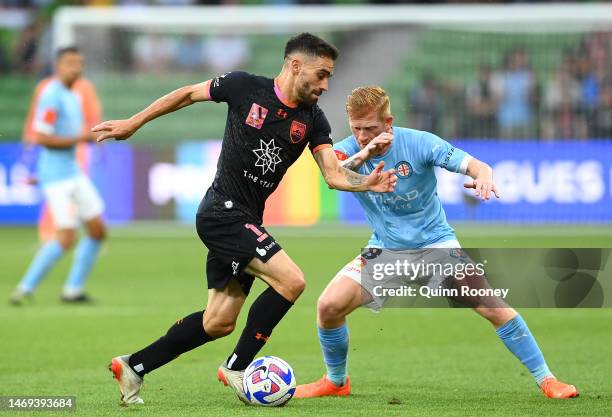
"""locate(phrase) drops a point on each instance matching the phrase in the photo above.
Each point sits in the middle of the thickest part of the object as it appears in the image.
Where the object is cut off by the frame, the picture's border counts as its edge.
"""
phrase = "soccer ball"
(269, 381)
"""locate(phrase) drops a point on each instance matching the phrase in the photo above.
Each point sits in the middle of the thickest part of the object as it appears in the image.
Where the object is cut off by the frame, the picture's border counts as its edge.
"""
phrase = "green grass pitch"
(414, 362)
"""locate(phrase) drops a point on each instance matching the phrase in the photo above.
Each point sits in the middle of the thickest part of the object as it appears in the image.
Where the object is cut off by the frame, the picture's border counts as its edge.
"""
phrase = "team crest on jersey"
(267, 156)
(297, 131)
(256, 116)
(403, 169)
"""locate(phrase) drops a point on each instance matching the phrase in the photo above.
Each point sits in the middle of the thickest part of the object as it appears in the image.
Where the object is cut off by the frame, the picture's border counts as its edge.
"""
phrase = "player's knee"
(296, 283)
(219, 327)
(66, 239)
(328, 309)
(96, 230)
(97, 233)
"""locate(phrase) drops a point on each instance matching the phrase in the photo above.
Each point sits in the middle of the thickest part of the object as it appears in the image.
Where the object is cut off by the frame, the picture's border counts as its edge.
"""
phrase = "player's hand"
(381, 181)
(376, 145)
(484, 188)
(115, 129)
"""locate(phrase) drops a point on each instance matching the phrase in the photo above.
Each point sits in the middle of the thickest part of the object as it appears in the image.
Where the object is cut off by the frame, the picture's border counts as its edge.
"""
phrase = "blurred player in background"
(58, 126)
(92, 114)
(269, 124)
(411, 217)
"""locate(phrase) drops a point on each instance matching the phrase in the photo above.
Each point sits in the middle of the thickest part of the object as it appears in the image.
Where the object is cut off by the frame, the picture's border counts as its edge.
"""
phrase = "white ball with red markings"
(269, 381)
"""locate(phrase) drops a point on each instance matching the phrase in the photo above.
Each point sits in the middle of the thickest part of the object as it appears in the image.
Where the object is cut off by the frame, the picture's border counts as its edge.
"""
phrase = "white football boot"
(129, 381)
(232, 379)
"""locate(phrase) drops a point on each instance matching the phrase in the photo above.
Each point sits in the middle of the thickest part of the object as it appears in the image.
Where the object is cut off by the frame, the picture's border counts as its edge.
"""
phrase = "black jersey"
(263, 138)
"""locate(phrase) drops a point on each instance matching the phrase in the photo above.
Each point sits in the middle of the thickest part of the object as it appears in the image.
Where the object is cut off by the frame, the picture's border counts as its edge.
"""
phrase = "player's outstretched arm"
(177, 99)
(340, 178)
(58, 142)
(482, 175)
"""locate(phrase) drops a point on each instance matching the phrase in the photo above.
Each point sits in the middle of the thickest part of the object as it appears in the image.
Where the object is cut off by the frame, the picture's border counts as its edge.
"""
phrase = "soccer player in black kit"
(269, 123)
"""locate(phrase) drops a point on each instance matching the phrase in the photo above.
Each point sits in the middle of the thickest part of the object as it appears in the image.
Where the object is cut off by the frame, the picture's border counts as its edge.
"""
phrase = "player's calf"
(265, 313)
(497, 316)
(184, 335)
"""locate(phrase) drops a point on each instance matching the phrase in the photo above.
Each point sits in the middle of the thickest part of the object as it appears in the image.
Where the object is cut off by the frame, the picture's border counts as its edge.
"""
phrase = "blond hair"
(366, 99)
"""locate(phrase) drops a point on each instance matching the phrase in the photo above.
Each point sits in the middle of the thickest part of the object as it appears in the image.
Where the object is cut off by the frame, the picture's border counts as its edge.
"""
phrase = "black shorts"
(232, 243)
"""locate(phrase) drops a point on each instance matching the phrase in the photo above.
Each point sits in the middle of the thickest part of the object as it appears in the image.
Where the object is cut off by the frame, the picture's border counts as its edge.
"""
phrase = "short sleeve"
(321, 133)
(438, 152)
(229, 86)
(47, 110)
(346, 148)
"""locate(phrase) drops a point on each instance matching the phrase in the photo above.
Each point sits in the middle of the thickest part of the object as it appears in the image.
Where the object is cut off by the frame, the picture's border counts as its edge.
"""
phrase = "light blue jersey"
(59, 113)
(412, 215)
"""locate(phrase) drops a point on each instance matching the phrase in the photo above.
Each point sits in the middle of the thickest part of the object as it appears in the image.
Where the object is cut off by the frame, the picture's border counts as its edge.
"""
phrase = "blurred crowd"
(146, 52)
(503, 100)
(154, 52)
(45, 3)
(509, 101)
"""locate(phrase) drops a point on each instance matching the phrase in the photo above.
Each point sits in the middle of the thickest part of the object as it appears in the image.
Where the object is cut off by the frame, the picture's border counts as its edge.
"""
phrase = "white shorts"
(353, 270)
(73, 200)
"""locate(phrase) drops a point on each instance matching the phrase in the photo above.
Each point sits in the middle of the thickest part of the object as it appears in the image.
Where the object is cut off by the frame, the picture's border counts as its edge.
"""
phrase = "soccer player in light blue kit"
(71, 197)
(410, 217)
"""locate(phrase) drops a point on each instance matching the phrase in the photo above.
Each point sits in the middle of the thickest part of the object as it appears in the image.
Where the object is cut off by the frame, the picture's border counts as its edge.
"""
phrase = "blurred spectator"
(596, 58)
(481, 118)
(563, 117)
(132, 2)
(226, 52)
(5, 63)
(589, 84)
(153, 53)
(26, 48)
(173, 2)
(515, 89)
(189, 52)
(426, 105)
(602, 127)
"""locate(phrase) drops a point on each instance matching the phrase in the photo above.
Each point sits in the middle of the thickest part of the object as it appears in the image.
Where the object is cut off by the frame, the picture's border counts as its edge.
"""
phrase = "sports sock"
(265, 313)
(334, 344)
(84, 258)
(518, 339)
(44, 259)
(184, 335)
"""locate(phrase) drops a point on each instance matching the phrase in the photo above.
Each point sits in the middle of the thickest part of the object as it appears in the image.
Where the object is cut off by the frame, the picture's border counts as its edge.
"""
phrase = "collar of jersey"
(282, 98)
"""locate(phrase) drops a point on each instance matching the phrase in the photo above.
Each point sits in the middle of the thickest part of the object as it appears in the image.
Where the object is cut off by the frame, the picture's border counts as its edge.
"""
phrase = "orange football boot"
(221, 378)
(553, 388)
(323, 388)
